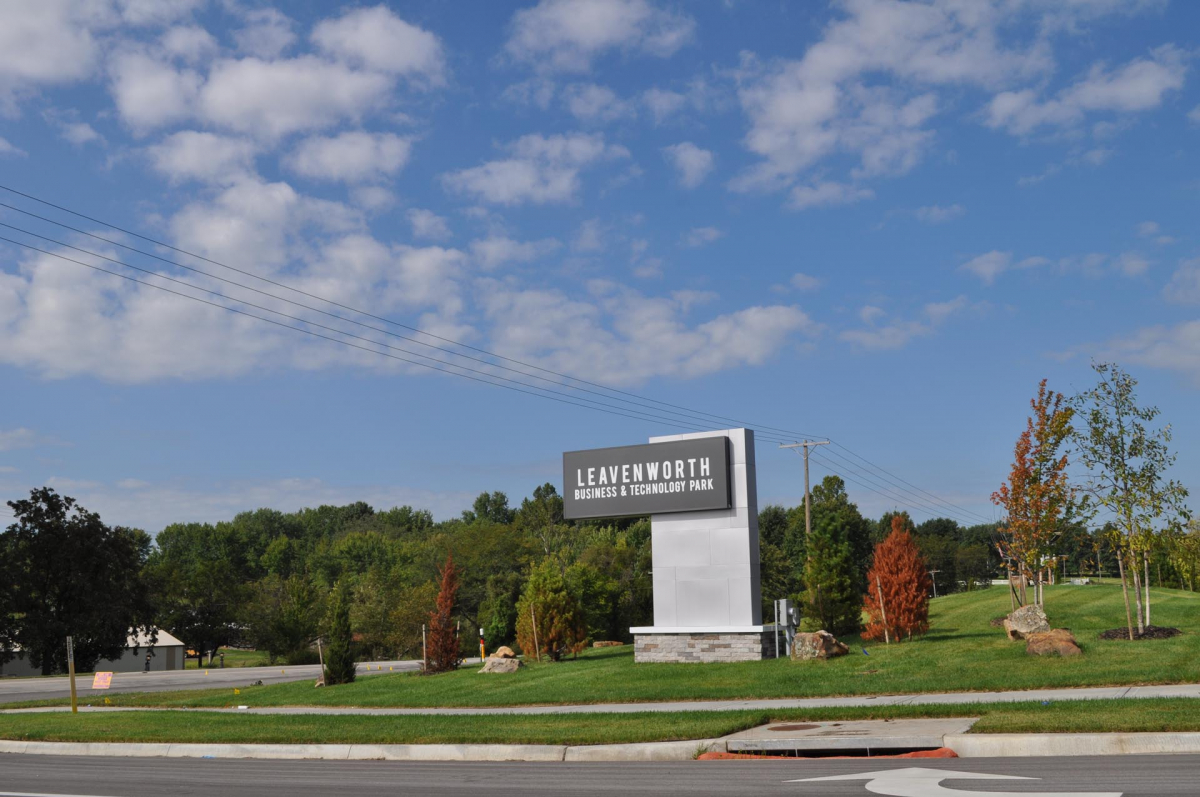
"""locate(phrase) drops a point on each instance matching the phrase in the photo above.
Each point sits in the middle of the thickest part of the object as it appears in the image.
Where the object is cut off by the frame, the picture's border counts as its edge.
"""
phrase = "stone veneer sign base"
(693, 647)
(707, 604)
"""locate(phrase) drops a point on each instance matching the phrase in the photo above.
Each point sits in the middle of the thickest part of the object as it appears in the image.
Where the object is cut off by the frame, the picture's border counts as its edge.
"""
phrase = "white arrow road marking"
(922, 782)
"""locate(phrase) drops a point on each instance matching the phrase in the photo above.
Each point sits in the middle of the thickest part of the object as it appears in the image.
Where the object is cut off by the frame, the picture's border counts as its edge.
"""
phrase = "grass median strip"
(1090, 716)
(962, 652)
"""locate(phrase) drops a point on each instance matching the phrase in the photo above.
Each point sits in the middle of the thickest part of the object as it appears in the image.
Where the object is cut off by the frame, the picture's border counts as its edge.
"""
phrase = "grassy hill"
(962, 652)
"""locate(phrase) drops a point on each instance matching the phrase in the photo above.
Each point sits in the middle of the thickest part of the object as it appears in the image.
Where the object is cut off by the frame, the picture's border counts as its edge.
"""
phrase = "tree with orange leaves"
(898, 585)
(1037, 497)
(443, 634)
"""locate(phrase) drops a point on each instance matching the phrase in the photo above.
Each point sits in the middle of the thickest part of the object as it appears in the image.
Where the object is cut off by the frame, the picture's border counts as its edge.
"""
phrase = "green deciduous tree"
(283, 617)
(1127, 464)
(549, 614)
(68, 574)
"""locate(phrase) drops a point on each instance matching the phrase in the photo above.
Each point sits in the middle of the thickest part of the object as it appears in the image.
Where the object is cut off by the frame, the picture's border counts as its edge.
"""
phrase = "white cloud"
(827, 194)
(1131, 264)
(11, 439)
(350, 157)
(45, 43)
(266, 34)
(540, 169)
(275, 98)
(375, 38)
(1138, 85)
(427, 224)
(156, 12)
(939, 214)
(1194, 115)
(991, 265)
(536, 91)
(7, 148)
(1173, 348)
(691, 162)
(496, 250)
(869, 314)
(1184, 287)
(591, 103)
(805, 282)
(900, 333)
(206, 157)
(701, 236)
(590, 237)
(150, 93)
(567, 35)
(624, 337)
(79, 133)
(663, 104)
(189, 43)
(1148, 229)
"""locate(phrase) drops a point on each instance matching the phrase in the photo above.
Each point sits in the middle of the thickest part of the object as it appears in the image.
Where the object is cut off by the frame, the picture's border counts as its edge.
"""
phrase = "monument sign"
(699, 491)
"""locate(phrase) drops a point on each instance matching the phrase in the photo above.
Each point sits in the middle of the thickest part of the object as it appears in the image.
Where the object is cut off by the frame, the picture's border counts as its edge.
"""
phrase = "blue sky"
(882, 222)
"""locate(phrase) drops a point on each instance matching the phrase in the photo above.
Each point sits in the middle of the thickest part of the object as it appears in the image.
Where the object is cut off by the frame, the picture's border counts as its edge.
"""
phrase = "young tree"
(550, 621)
(1037, 497)
(443, 635)
(68, 574)
(1127, 464)
(900, 574)
(831, 601)
(339, 650)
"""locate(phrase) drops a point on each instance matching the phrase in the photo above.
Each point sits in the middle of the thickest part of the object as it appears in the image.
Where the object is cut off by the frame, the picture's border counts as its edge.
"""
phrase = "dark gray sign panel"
(677, 476)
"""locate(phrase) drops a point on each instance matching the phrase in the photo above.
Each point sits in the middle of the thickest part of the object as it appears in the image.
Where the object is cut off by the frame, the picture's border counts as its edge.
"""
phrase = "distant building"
(167, 654)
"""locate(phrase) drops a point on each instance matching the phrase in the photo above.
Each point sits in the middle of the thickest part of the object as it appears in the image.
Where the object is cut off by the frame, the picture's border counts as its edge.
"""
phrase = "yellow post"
(71, 671)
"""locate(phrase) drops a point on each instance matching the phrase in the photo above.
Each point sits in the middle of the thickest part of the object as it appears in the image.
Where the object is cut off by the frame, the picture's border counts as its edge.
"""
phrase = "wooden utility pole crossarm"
(807, 508)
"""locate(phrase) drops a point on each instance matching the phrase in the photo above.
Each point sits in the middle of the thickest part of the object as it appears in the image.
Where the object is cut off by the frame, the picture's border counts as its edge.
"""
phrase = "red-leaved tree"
(442, 645)
(899, 577)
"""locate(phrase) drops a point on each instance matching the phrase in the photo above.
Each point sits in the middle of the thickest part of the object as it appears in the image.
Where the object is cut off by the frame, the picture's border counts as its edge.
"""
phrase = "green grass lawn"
(962, 652)
(199, 727)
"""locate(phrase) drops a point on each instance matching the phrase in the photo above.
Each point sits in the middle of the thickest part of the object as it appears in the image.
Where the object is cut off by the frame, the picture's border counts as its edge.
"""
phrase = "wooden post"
(533, 620)
(887, 637)
(71, 671)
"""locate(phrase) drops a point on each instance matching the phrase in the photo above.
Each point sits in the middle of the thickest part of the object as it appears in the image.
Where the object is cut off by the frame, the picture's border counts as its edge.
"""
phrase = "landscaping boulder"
(817, 645)
(1027, 620)
(1057, 642)
(494, 664)
(502, 652)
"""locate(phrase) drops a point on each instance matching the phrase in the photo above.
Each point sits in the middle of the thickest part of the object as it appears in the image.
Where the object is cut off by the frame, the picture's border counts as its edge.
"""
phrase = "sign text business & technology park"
(677, 476)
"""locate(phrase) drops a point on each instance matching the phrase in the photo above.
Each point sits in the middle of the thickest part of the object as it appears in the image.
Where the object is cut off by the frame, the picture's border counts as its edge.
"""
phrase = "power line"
(368, 314)
(873, 465)
(768, 433)
(687, 416)
(882, 490)
(331, 339)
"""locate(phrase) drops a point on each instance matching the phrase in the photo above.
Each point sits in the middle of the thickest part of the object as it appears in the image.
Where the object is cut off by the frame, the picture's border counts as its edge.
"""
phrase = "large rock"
(501, 665)
(817, 645)
(1057, 642)
(1027, 620)
(502, 652)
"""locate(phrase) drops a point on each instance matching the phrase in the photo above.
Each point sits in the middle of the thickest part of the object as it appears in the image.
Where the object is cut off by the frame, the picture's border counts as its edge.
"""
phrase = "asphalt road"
(13, 690)
(1129, 776)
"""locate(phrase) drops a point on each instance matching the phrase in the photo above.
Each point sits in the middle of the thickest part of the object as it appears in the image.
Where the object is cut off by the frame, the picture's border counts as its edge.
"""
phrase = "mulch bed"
(1151, 632)
(941, 752)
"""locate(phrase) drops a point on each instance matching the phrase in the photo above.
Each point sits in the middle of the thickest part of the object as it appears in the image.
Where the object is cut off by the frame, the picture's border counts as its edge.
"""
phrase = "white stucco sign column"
(707, 591)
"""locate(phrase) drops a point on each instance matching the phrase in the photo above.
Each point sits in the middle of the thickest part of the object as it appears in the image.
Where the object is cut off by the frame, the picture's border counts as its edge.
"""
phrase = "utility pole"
(807, 499)
(933, 580)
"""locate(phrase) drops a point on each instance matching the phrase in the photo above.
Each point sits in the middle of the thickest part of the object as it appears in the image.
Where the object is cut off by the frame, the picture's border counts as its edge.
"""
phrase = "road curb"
(654, 751)
(1003, 745)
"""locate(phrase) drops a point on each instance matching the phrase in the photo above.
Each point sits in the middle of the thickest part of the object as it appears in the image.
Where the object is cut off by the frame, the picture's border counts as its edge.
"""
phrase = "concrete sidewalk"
(947, 698)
